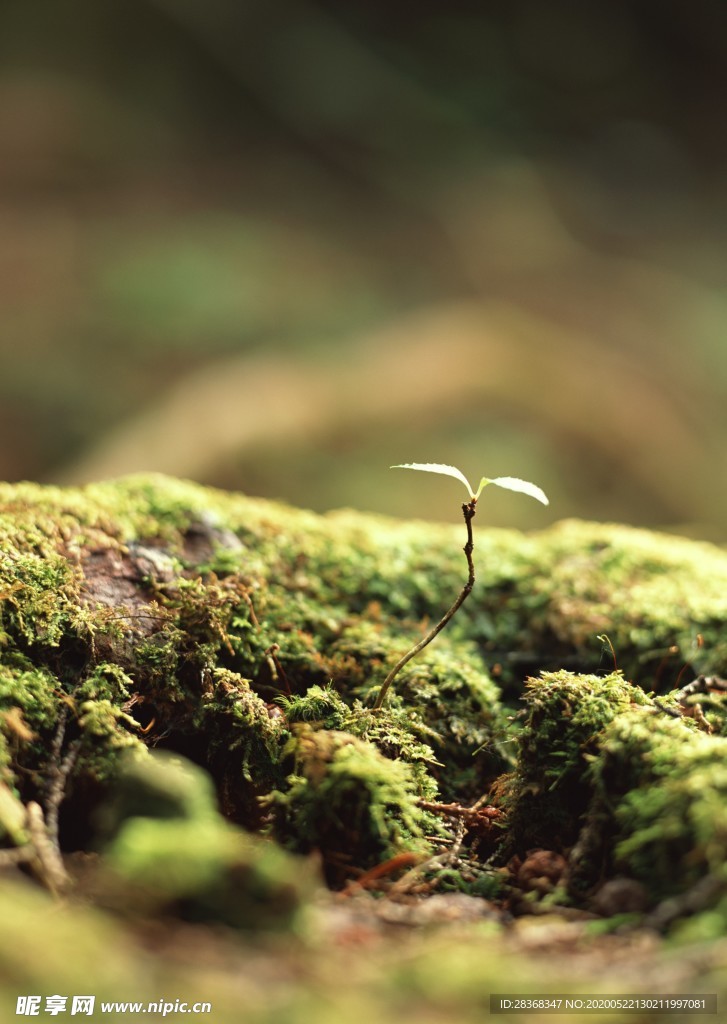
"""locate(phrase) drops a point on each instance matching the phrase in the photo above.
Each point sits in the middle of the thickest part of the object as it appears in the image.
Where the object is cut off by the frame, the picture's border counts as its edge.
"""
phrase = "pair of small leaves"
(510, 483)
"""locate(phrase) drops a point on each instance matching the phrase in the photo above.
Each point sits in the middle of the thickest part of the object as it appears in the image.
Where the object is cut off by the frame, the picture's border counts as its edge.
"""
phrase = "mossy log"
(251, 638)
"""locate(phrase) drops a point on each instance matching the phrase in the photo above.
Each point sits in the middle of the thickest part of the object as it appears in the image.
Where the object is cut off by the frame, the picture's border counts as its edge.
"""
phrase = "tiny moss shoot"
(469, 509)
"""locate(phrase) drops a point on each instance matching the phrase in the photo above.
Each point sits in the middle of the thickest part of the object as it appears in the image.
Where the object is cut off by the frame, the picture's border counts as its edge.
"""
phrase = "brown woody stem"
(468, 511)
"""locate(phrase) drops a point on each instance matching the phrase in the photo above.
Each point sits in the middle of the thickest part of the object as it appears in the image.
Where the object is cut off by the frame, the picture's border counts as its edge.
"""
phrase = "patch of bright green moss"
(241, 740)
(349, 802)
(160, 786)
(607, 776)
(649, 592)
(396, 731)
(322, 705)
(176, 854)
(566, 714)
(665, 783)
(32, 703)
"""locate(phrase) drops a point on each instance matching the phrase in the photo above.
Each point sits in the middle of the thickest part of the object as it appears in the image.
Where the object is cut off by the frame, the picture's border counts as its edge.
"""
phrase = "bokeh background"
(278, 245)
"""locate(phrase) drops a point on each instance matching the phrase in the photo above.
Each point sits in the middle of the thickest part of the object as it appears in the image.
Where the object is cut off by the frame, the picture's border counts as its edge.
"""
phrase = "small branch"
(702, 684)
(702, 894)
(57, 790)
(688, 706)
(477, 817)
(468, 511)
(369, 878)
(17, 855)
(47, 862)
(59, 769)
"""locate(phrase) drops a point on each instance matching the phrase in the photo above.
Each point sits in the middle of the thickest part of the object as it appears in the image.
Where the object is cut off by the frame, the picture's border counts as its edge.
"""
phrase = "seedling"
(510, 483)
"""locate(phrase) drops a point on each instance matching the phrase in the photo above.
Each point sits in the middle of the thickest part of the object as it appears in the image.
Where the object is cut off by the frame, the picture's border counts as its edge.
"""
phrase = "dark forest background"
(278, 246)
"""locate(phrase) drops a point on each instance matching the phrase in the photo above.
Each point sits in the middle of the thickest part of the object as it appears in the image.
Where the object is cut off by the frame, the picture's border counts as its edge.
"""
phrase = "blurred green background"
(277, 246)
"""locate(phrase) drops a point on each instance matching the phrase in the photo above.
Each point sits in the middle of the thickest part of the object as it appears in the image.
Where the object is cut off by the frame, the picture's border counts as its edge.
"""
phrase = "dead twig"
(380, 871)
(475, 818)
(46, 861)
(688, 706)
(59, 771)
(18, 855)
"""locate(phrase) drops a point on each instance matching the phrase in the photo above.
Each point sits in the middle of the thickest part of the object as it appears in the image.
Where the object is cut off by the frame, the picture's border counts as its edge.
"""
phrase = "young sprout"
(510, 483)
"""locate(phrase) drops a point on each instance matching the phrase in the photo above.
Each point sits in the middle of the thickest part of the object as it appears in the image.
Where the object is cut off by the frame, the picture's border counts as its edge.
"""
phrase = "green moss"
(649, 592)
(33, 700)
(446, 696)
(154, 611)
(566, 714)
(397, 732)
(172, 852)
(348, 801)
(473, 881)
(318, 704)
(33, 692)
(208, 872)
(454, 696)
(400, 733)
(38, 590)
(12, 818)
(241, 740)
(606, 775)
(702, 928)
(105, 731)
(105, 681)
(665, 784)
(160, 785)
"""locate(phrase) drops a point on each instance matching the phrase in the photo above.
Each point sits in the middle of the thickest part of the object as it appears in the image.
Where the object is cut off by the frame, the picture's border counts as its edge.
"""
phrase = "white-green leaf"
(512, 483)
(436, 467)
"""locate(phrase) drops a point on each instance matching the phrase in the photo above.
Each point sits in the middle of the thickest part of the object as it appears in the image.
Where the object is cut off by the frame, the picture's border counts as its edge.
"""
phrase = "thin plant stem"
(468, 511)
